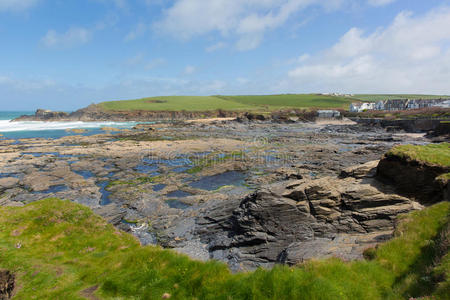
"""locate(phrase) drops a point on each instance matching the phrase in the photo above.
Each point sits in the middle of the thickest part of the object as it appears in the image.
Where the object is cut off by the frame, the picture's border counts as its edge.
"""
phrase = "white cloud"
(215, 47)
(411, 55)
(76, 36)
(189, 70)
(245, 21)
(16, 5)
(303, 58)
(73, 37)
(380, 2)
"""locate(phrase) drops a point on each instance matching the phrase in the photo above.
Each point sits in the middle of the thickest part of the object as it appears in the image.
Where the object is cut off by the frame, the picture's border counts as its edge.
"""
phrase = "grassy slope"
(438, 154)
(259, 103)
(65, 249)
(293, 101)
(233, 103)
(176, 103)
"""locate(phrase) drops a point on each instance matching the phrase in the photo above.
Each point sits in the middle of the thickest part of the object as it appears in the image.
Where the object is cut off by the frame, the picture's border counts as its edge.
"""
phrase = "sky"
(67, 54)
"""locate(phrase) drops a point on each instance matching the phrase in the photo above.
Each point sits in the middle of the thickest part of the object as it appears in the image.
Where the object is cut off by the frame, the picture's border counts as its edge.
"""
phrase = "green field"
(273, 102)
(175, 103)
(229, 103)
(61, 250)
(252, 103)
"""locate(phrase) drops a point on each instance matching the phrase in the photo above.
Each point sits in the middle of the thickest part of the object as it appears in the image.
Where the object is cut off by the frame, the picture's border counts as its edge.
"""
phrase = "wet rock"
(289, 173)
(8, 182)
(110, 129)
(77, 130)
(142, 232)
(368, 169)
(195, 250)
(239, 232)
(304, 211)
(148, 127)
(39, 181)
(111, 212)
(344, 246)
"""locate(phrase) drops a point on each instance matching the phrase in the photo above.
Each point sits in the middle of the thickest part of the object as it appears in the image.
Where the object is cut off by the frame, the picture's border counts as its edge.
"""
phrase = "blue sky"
(67, 54)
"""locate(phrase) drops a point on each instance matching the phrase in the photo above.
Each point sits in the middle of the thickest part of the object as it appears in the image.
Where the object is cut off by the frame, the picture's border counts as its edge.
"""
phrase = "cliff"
(94, 113)
(418, 171)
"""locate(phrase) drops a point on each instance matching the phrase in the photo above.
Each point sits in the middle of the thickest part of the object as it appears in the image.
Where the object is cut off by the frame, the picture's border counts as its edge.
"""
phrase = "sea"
(54, 130)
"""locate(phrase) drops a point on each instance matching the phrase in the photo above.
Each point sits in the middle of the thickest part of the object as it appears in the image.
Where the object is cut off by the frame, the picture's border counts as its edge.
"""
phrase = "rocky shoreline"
(439, 129)
(248, 192)
(94, 113)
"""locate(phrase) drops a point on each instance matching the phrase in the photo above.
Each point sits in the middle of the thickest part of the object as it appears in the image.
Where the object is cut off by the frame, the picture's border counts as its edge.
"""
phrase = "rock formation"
(415, 179)
(300, 219)
(45, 115)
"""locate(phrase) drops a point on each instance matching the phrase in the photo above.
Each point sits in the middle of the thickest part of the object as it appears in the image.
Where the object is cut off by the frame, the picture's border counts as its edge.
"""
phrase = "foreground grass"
(437, 154)
(60, 250)
(264, 103)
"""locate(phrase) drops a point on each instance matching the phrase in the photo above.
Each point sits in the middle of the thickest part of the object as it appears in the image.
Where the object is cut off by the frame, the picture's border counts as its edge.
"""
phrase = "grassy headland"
(175, 103)
(230, 103)
(435, 154)
(275, 102)
(250, 103)
(61, 250)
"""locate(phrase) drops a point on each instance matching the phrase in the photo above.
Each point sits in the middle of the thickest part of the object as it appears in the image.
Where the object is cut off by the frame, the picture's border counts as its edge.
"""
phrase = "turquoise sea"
(34, 129)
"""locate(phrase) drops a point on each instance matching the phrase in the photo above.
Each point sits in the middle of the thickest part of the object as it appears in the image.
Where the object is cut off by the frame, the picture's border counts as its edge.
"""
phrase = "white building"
(360, 107)
(354, 107)
(328, 114)
(443, 104)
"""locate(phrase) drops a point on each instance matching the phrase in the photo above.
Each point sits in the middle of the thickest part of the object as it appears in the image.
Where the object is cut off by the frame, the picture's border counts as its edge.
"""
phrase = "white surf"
(8, 126)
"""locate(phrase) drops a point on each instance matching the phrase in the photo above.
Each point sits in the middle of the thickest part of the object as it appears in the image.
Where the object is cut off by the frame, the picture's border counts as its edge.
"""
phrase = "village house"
(396, 104)
(400, 104)
(443, 104)
(379, 105)
(360, 107)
